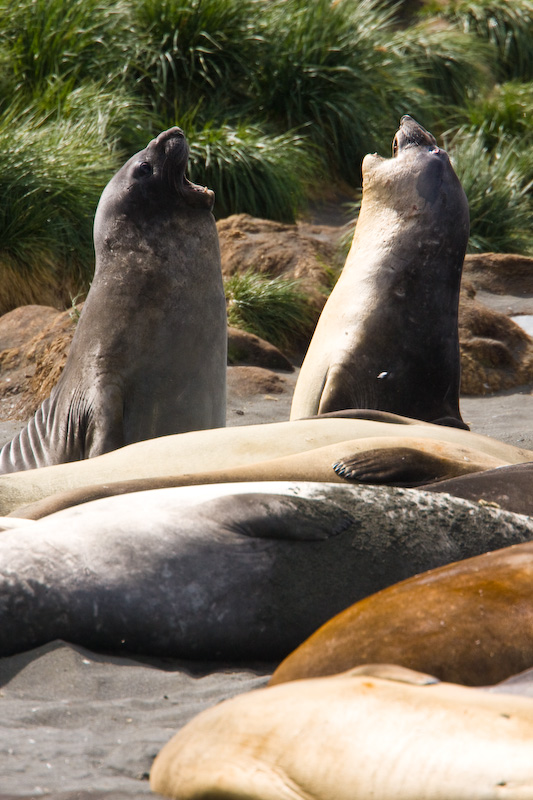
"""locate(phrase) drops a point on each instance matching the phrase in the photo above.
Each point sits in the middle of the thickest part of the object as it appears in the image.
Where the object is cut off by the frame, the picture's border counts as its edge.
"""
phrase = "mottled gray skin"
(387, 337)
(248, 575)
(149, 354)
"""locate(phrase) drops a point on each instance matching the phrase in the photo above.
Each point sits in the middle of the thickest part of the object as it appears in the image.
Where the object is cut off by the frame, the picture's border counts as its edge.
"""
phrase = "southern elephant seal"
(381, 732)
(143, 361)
(508, 487)
(354, 461)
(469, 622)
(387, 337)
(239, 572)
(190, 457)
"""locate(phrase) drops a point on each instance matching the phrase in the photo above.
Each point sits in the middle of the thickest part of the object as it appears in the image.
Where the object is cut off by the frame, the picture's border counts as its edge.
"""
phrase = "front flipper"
(277, 516)
(413, 464)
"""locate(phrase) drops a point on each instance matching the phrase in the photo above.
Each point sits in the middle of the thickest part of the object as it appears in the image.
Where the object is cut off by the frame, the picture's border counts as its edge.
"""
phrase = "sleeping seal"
(143, 361)
(232, 572)
(377, 732)
(387, 337)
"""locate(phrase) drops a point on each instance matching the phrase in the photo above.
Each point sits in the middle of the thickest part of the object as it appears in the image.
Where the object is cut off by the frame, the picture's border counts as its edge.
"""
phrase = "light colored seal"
(353, 461)
(230, 572)
(379, 732)
(193, 457)
(387, 337)
(469, 622)
(149, 354)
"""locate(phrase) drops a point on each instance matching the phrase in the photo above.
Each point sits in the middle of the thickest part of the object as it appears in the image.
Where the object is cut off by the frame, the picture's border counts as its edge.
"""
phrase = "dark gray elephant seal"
(226, 571)
(387, 337)
(149, 354)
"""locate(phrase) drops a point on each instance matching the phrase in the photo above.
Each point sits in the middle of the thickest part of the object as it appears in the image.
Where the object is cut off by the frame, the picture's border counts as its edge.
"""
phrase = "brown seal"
(387, 337)
(470, 622)
(149, 354)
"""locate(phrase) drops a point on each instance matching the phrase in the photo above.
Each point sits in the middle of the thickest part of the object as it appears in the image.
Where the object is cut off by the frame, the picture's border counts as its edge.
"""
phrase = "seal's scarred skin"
(387, 338)
(149, 354)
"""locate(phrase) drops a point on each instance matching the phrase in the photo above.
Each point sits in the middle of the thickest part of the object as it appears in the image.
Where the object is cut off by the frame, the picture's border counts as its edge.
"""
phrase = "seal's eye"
(395, 147)
(144, 168)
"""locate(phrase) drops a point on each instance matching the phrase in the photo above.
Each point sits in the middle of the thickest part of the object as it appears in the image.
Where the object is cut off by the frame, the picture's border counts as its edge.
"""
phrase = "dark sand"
(80, 726)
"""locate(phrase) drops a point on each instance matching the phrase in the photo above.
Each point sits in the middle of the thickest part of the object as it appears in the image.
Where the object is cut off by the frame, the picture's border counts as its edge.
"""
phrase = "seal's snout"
(411, 133)
(172, 133)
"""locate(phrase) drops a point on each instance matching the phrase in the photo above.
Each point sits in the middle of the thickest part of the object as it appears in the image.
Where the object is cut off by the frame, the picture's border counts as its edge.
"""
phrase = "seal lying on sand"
(469, 622)
(387, 337)
(143, 361)
(381, 732)
(263, 452)
(245, 573)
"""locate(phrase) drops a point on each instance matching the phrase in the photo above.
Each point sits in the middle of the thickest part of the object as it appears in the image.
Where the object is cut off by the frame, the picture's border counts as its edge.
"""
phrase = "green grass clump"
(507, 110)
(498, 189)
(272, 308)
(71, 40)
(195, 50)
(54, 172)
(507, 25)
(266, 176)
(452, 66)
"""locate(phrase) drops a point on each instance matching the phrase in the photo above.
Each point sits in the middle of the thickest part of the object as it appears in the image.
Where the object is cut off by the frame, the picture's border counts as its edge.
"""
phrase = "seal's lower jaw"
(197, 196)
(176, 157)
(411, 134)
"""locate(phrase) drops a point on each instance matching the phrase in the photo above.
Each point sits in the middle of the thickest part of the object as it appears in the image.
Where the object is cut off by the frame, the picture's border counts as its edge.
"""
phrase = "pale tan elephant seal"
(387, 337)
(380, 732)
(193, 457)
(149, 354)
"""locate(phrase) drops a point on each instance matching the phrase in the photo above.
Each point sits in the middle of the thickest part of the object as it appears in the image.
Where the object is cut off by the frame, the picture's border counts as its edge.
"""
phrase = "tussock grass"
(67, 39)
(507, 25)
(251, 172)
(507, 110)
(452, 66)
(53, 174)
(272, 308)
(329, 69)
(498, 189)
(196, 50)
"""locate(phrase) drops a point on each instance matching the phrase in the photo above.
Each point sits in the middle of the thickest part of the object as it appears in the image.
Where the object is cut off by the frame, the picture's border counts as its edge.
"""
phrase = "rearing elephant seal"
(143, 361)
(387, 338)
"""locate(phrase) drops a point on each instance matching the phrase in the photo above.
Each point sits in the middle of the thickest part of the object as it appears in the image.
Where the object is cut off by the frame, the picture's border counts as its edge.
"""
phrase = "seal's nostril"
(172, 134)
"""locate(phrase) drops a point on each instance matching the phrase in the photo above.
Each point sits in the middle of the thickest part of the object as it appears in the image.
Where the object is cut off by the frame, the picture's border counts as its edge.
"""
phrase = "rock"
(496, 353)
(247, 348)
(246, 381)
(304, 252)
(36, 341)
(500, 273)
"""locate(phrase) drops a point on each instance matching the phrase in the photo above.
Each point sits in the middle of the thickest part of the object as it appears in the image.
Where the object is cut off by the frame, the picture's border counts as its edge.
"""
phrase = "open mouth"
(411, 134)
(174, 166)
